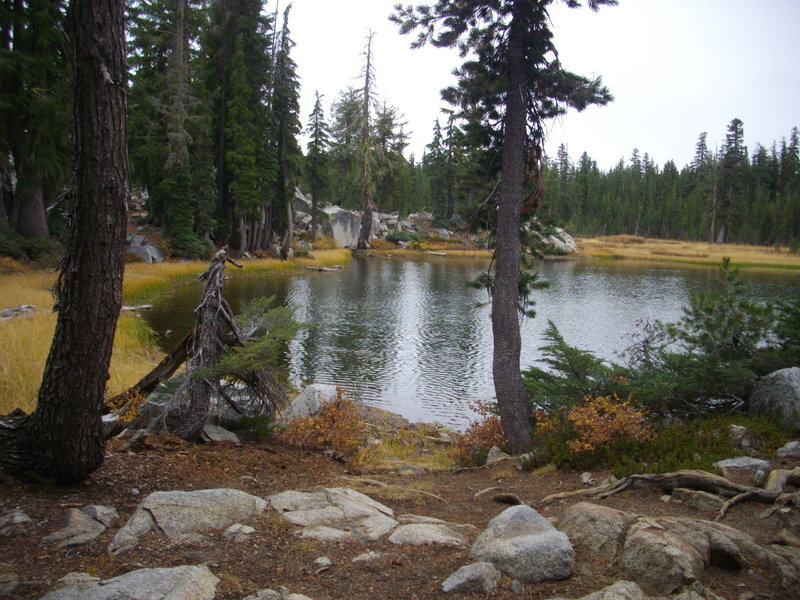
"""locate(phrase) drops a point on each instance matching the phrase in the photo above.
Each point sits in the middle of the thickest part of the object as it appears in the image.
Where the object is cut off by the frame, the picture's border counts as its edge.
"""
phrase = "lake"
(411, 337)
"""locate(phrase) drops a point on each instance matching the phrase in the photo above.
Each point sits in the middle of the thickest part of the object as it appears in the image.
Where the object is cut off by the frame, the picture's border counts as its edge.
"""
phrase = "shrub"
(336, 427)
(325, 243)
(256, 427)
(472, 446)
(402, 236)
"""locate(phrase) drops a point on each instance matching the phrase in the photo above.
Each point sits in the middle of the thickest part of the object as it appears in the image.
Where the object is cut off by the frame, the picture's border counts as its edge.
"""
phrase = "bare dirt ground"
(274, 556)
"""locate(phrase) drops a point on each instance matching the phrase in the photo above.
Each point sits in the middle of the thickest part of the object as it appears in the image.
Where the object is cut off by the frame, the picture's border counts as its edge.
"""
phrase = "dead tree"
(209, 384)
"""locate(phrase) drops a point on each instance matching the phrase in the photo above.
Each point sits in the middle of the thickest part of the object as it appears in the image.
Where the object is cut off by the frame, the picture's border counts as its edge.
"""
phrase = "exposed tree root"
(696, 480)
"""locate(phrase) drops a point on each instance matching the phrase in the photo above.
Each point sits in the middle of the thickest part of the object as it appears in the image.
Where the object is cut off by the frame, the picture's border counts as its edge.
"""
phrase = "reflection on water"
(407, 335)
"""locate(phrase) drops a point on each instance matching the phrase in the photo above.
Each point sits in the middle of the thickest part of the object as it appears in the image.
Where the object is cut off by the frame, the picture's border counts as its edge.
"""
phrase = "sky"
(676, 68)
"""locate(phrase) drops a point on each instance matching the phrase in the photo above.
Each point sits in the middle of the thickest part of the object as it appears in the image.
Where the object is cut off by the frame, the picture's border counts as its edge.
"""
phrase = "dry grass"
(142, 281)
(26, 341)
(634, 247)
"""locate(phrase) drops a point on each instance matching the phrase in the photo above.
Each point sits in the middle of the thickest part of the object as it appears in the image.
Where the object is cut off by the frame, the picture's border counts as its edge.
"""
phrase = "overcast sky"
(676, 68)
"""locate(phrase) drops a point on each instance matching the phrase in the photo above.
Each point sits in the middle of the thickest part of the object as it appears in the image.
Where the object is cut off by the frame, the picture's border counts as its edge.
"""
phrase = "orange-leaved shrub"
(337, 427)
(472, 446)
(597, 421)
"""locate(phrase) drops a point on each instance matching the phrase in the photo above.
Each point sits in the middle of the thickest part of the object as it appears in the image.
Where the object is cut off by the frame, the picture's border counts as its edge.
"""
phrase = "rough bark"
(367, 205)
(515, 411)
(62, 439)
(206, 349)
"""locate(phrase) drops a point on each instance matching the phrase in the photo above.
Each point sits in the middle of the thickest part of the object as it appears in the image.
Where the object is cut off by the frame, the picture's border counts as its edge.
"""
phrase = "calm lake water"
(407, 336)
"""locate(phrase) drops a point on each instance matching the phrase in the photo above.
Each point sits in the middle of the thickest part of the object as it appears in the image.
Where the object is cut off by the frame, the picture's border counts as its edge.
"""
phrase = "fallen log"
(163, 371)
(696, 480)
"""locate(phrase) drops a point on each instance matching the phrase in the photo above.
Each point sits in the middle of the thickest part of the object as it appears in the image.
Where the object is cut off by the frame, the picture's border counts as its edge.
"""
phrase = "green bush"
(402, 236)
(23, 249)
(675, 445)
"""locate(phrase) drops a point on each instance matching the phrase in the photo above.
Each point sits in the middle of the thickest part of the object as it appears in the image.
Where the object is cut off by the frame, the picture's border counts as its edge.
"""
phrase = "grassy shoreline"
(629, 247)
(26, 341)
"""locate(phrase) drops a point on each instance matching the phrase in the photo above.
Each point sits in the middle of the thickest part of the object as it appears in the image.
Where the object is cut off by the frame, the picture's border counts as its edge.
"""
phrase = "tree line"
(724, 195)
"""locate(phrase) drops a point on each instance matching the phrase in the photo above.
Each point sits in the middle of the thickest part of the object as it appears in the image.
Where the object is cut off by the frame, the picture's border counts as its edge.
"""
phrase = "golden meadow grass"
(700, 253)
(26, 341)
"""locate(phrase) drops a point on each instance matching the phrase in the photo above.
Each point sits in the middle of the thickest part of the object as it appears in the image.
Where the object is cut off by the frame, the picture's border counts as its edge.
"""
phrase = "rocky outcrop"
(599, 528)
(309, 402)
(82, 526)
(177, 583)
(182, 516)
(524, 545)
(335, 514)
(778, 396)
(669, 554)
(344, 225)
(144, 250)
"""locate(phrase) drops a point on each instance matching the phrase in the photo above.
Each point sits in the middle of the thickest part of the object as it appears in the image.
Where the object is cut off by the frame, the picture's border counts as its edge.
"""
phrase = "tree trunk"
(287, 236)
(314, 207)
(205, 350)
(31, 221)
(515, 410)
(62, 439)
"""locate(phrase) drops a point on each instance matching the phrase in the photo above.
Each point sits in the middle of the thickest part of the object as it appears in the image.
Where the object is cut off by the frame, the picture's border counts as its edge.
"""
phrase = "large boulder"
(344, 225)
(524, 545)
(309, 402)
(778, 396)
(182, 515)
(599, 528)
(148, 253)
(178, 583)
(559, 242)
(301, 203)
(659, 558)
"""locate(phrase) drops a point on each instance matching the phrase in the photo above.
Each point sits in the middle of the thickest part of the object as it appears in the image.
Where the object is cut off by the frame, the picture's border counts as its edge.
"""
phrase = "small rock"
(13, 523)
(790, 450)
(742, 437)
(238, 532)
(477, 577)
(515, 586)
(422, 534)
(587, 479)
(495, 454)
(78, 528)
(698, 500)
(408, 469)
(610, 480)
(323, 561)
(9, 580)
(665, 498)
(215, 433)
(104, 514)
(621, 590)
(744, 463)
(135, 492)
(367, 556)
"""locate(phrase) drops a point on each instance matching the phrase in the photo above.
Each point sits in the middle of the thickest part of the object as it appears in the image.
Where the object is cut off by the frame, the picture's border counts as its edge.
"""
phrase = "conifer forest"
(217, 144)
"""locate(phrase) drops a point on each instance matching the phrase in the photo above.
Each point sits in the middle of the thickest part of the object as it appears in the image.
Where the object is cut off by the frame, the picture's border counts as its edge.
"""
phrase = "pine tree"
(168, 151)
(285, 108)
(513, 78)
(317, 159)
(733, 182)
(346, 136)
(366, 153)
(238, 72)
(34, 111)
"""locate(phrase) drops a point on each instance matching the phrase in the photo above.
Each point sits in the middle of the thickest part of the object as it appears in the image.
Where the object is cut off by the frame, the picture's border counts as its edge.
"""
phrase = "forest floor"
(274, 556)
